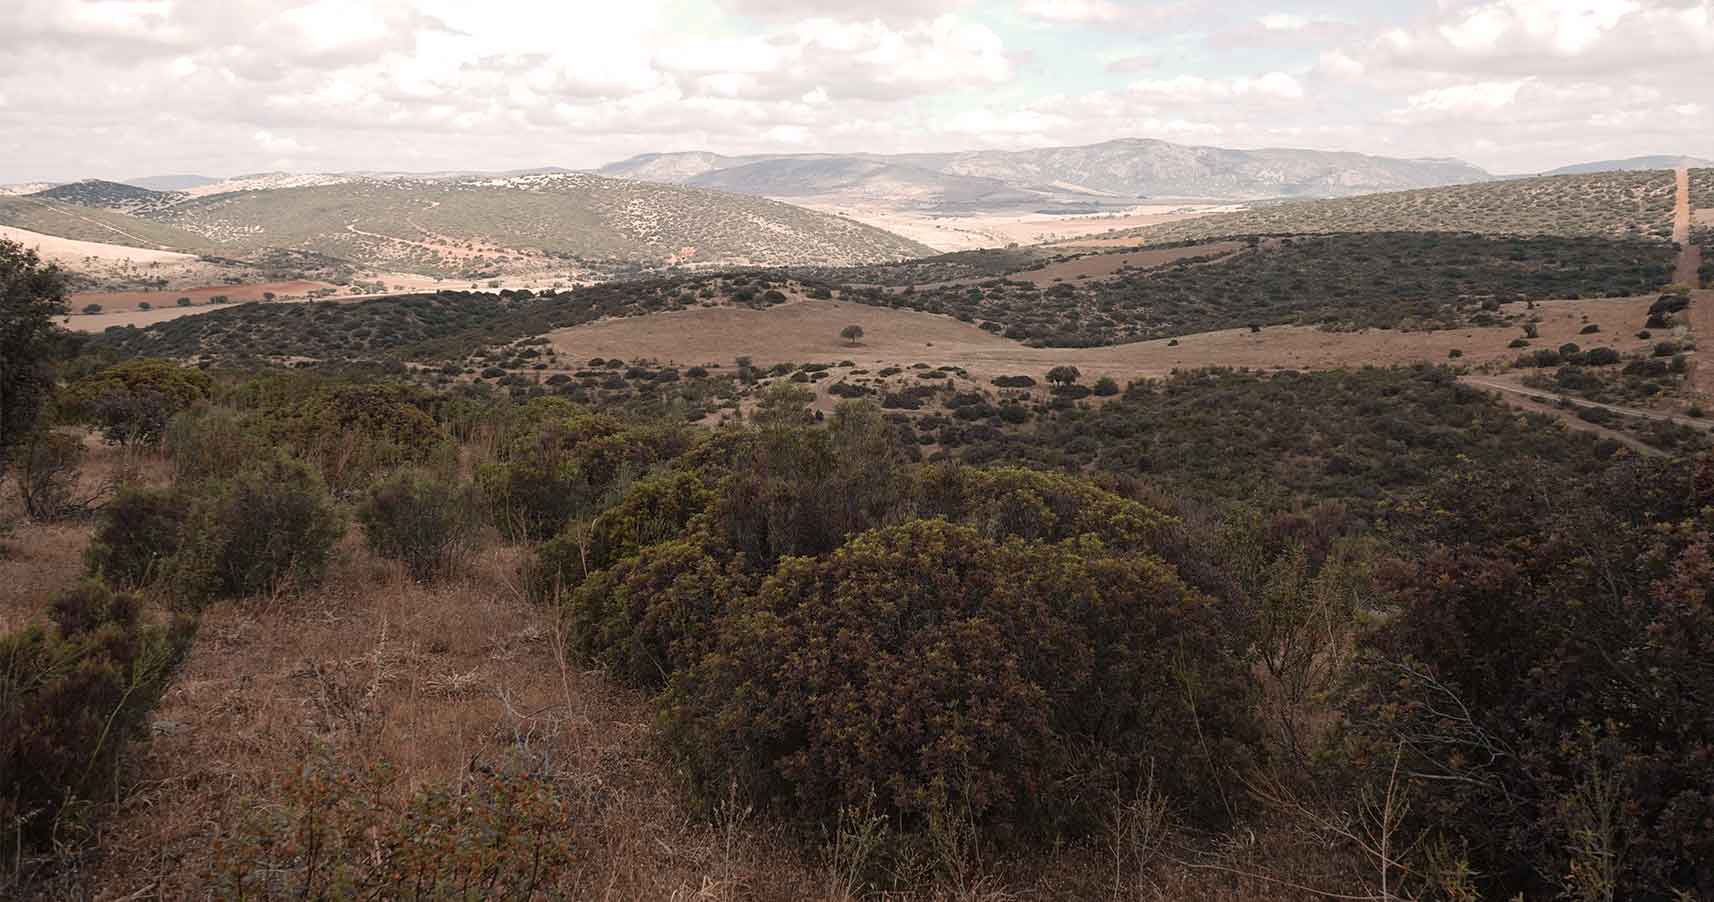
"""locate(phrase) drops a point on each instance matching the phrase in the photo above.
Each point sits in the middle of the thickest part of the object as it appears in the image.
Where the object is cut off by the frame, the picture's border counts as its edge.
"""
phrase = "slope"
(1635, 205)
(485, 224)
(91, 224)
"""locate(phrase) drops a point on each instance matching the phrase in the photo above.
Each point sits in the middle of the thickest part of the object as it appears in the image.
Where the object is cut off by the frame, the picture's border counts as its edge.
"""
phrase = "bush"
(131, 402)
(206, 443)
(1105, 387)
(351, 432)
(654, 509)
(137, 535)
(271, 527)
(71, 698)
(929, 671)
(1590, 329)
(47, 477)
(424, 520)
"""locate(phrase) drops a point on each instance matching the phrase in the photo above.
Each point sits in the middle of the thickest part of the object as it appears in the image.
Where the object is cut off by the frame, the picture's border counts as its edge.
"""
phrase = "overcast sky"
(126, 88)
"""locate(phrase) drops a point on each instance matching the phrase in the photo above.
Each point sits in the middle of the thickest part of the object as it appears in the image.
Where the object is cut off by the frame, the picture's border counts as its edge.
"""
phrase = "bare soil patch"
(980, 230)
(1096, 267)
(117, 301)
(808, 331)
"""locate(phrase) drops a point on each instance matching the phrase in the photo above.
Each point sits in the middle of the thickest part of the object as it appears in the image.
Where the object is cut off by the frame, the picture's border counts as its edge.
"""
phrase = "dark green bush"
(422, 519)
(654, 509)
(272, 527)
(132, 401)
(137, 536)
(72, 696)
(211, 443)
(930, 671)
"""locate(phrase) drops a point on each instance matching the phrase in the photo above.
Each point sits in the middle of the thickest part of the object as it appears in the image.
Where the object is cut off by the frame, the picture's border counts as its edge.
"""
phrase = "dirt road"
(1699, 381)
(1689, 258)
(1501, 385)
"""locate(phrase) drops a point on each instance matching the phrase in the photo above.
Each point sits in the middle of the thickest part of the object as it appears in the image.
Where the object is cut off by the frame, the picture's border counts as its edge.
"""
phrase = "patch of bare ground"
(1098, 267)
(128, 300)
(982, 230)
(808, 331)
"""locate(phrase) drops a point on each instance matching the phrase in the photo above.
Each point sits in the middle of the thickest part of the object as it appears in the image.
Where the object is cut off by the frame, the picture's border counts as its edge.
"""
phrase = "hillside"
(1607, 204)
(486, 224)
(1631, 164)
(116, 196)
(174, 182)
(80, 223)
(1124, 169)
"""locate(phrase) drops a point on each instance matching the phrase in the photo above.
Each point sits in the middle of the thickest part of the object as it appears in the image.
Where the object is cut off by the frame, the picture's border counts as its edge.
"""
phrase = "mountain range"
(1111, 173)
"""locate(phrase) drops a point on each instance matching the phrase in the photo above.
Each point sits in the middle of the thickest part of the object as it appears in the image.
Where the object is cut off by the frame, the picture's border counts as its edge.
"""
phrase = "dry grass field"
(808, 330)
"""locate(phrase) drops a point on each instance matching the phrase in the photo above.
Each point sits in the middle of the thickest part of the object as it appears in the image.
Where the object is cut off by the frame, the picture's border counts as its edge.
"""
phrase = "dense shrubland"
(1386, 280)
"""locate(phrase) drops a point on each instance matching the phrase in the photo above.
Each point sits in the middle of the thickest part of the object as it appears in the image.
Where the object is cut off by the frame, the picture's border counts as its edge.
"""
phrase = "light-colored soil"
(1688, 259)
(808, 331)
(69, 251)
(119, 301)
(962, 233)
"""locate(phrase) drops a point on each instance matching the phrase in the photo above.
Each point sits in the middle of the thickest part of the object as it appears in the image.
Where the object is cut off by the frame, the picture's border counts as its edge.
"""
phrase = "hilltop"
(1632, 164)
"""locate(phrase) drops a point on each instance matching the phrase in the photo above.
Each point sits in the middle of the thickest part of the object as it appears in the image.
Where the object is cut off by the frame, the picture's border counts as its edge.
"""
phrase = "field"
(99, 226)
(1629, 205)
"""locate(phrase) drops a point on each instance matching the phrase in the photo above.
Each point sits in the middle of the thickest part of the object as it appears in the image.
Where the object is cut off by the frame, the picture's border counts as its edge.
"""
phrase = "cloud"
(1081, 12)
(1192, 89)
(1536, 37)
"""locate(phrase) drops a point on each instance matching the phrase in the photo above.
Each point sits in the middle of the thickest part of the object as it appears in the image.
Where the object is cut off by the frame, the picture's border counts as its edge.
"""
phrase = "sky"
(127, 88)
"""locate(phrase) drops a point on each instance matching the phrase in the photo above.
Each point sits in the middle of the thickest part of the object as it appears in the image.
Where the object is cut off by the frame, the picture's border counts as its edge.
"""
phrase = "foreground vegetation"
(1403, 641)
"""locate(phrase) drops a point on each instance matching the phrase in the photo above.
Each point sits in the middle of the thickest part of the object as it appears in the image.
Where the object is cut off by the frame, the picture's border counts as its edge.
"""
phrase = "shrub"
(47, 478)
(350, 432)
(654, 509)
(424, 520)
(210, 443)
(72, 696)
(1105, 387)
(1590, 329)
(131, 402)
(271, 527)
(137, 535)
(929, 671)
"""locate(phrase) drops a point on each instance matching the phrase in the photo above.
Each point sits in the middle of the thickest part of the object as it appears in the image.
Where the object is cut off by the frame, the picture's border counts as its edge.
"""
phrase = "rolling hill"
(1635, 205)
(1631, 164)
(1113, 171)
(464, 226)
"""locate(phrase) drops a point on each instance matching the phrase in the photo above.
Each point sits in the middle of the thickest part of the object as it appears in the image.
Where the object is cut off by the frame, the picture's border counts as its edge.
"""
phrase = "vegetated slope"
(1127, 168)
(1366, 280)
(1631, 164)
(1363, 437)
(114, 196)
(65, 220)
(1702, 221)
(472, 224)
(859, 179)
(446, 325)
(1605, 204)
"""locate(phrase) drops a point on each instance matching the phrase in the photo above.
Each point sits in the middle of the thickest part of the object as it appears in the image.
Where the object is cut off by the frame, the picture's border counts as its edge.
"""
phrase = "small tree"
(91, 309)
(1064, 375)
(852, 334)
(184, 302)
(145, 305)
(31, 295)
(1106, 386)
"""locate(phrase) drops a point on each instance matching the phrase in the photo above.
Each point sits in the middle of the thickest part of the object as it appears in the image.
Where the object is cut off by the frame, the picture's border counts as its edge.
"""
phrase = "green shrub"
(71, 697)
(272, 527)
(421, 519)
(650, 615)
(1105, 387)
(351, 432)
(132, 401)
(928, 670)
(47, 477)
(654, 509)
(211, 443)
(137, 535)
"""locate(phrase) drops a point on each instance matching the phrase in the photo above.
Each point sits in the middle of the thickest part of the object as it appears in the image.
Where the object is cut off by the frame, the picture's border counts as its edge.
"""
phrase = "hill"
(66, 220)
(1119, 170)
(469, 226)
(1631, 164)
(1635, 205)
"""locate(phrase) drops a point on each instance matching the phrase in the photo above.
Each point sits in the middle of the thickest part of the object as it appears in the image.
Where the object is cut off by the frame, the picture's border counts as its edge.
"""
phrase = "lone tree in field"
(1063, 375)
(852, 334)
(31, 295)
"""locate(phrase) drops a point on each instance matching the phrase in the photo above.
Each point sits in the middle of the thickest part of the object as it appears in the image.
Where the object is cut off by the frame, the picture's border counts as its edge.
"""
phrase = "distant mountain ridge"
(1122, 170)
(1633, 164)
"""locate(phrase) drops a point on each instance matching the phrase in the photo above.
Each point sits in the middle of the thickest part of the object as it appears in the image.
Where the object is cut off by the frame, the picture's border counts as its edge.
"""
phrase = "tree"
(184, 302)
(31, 295)
(852, 334)
(1063, 375)
(145, 305)
(92, 309)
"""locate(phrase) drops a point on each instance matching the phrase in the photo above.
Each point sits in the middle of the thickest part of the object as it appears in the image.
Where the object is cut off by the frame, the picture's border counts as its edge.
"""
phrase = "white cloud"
(1082, 12)
(1283, 22)
(1189, 89)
